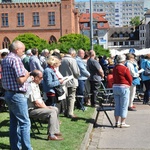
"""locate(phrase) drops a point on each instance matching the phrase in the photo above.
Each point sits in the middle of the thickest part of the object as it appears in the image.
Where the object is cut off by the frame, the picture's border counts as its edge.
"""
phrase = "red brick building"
(47, 20)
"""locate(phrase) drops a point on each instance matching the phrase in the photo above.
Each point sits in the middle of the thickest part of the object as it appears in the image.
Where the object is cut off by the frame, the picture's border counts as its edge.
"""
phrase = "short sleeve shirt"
(13, 68)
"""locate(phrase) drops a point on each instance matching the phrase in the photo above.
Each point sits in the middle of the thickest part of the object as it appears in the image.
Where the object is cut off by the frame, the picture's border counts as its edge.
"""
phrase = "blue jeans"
(19, 121)
(121, 96)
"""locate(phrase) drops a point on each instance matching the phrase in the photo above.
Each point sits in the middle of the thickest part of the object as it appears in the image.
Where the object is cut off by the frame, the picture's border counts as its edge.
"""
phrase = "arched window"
(5, 43)
(121, 35)
(115, 35)
(52, 40)
(126, 34)
(131, 35)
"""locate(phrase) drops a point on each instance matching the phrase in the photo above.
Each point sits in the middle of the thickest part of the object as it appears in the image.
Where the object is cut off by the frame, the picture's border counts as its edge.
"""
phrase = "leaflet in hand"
(66, 79)
(141, 70)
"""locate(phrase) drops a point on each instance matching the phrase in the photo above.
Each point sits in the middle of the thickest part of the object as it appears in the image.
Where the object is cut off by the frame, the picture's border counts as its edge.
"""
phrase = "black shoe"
(72, 116)
(131, 109)
(145, 103)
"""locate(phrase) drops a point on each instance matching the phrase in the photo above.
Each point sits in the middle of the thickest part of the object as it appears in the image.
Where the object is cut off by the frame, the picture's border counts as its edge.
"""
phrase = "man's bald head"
(38, 76)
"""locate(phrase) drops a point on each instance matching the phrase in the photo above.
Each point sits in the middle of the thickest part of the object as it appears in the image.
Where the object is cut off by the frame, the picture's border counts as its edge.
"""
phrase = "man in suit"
(69, 67)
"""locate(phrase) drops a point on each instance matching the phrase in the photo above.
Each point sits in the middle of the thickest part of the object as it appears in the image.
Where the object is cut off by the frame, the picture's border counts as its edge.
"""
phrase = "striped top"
(13, 68)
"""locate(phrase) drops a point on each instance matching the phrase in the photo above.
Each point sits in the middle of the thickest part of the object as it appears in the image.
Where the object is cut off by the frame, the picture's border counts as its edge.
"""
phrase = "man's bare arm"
(39, 104)
(23, 79)
(101, 72)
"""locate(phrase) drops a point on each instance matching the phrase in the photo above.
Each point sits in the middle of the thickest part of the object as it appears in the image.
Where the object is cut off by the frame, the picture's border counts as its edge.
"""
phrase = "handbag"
(147, 72)
(59, 91)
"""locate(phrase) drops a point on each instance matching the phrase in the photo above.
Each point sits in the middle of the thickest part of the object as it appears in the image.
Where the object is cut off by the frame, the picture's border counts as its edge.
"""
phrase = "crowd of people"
(30, 82)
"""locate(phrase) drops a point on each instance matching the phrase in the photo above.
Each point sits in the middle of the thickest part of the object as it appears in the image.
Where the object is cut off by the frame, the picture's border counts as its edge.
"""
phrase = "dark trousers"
(80, 91)
(147, 91)
(95, 86)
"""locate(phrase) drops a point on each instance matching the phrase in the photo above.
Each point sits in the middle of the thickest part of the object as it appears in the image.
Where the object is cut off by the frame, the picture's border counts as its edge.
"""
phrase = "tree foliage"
(135, 21)
(100, 51)
(76, 41)
(30, 40)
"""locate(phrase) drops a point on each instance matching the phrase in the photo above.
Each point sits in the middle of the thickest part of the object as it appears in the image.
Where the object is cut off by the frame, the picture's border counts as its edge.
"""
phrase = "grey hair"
(45, 51)
(15, 45)
(71, 51)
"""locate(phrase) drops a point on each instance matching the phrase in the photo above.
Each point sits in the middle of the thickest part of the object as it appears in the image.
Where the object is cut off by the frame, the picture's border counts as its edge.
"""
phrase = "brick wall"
(65, 20)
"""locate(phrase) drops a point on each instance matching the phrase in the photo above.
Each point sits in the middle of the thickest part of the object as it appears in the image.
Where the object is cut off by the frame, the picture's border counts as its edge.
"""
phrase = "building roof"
(148, 12)
(97, 17)
(85, 17)
(125, 31)
(120, 29)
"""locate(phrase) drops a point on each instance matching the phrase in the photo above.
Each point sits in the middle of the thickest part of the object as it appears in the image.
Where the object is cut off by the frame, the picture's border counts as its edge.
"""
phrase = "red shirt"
(110, 80)
(121, 75)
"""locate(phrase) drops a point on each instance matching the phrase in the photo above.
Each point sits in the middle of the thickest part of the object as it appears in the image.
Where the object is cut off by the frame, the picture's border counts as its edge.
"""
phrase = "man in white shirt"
(38, 109)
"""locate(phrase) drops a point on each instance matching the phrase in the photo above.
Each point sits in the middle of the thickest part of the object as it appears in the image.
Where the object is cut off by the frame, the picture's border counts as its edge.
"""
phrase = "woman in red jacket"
(122, 83)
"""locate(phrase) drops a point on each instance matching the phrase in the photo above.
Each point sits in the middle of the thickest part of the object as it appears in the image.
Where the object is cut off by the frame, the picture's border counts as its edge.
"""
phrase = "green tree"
(30, 40)
(78, 41)
(75, 41)
(135, 21)
(100, 51)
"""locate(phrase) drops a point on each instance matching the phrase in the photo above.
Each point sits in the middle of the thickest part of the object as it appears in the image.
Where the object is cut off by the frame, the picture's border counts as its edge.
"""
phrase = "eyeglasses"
(40, 77)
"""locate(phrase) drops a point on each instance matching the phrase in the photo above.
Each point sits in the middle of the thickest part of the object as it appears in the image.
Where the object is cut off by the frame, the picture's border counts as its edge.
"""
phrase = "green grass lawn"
(73, 132)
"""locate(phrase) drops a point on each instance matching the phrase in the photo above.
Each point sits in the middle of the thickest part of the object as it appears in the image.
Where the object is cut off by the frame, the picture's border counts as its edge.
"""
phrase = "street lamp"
(91, 25)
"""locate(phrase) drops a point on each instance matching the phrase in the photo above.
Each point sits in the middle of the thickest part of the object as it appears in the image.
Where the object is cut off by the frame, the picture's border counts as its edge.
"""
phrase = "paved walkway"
(137, 137)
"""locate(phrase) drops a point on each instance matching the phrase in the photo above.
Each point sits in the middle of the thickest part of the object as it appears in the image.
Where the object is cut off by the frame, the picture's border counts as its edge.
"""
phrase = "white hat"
(121, 58)
(28, 52)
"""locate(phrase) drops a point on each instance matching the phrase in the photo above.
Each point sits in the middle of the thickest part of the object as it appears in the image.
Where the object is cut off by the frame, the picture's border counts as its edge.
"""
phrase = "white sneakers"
(117, 125)
(123, 125)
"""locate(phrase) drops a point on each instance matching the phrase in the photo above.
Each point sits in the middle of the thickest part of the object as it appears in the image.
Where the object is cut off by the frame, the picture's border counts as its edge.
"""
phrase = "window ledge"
(51, 24)
(35, 25)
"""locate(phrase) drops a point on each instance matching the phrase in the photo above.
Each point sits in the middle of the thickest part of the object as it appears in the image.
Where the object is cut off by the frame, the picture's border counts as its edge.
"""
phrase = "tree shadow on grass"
(36, 137)
(89, 120)
(4, 146)
(4, 123)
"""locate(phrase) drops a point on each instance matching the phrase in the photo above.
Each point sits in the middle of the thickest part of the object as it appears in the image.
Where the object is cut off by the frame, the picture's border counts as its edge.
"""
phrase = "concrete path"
(137, 137)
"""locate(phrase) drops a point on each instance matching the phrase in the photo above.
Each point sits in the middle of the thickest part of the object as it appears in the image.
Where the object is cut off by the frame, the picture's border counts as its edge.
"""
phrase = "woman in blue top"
(51, 80)
(145, 63)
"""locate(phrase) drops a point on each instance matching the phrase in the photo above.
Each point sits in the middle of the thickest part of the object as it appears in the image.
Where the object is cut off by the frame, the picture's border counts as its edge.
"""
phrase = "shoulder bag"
(59, 91)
